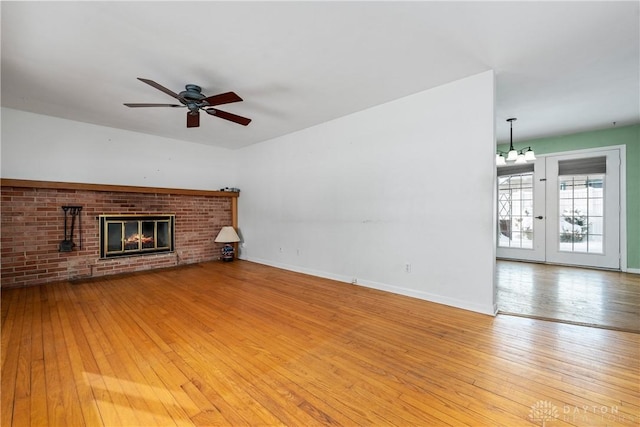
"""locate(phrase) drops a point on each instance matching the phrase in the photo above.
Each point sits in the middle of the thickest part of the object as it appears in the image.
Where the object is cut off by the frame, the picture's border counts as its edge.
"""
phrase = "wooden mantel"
(25, 183)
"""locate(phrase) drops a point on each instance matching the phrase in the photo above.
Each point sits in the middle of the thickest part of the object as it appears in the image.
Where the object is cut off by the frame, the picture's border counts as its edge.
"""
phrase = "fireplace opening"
(126, 235)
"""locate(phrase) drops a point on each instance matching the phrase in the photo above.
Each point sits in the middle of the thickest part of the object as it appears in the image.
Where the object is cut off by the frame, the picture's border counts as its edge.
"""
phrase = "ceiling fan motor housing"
(191, 97)
(192, 92)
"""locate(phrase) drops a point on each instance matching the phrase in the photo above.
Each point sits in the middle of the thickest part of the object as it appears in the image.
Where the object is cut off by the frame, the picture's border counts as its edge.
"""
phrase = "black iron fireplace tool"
(67, 244)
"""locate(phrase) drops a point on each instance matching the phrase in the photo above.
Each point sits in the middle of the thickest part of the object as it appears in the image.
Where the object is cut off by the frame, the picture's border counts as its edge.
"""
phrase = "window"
(515, 211)
(581, 213)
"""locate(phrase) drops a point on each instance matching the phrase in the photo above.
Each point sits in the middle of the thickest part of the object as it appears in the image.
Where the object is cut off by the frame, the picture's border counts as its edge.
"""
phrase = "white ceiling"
(561, 67)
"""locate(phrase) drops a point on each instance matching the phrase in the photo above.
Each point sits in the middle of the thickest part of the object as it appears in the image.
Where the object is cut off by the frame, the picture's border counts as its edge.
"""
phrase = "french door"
(521, 212)
(562, 209)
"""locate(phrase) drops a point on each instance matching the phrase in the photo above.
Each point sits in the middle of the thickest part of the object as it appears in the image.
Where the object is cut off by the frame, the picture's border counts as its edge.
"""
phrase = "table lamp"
(227, 235)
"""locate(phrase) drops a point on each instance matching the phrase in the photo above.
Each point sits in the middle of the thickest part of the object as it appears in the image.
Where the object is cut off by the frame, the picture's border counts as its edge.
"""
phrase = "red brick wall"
(33, 226)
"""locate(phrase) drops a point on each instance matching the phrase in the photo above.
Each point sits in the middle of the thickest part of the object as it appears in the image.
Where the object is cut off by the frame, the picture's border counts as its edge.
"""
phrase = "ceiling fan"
(194, 100)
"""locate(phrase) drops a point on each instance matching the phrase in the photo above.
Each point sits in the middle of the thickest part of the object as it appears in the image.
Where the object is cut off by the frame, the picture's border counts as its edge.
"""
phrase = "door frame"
(610, 256)
(623, 191)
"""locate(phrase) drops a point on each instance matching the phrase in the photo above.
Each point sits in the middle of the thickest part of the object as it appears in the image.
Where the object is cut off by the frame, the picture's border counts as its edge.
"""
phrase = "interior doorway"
(559, 214)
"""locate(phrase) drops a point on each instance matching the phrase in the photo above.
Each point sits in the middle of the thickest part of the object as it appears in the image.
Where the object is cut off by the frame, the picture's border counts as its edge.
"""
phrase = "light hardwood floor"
(599, 298)
(244, 344)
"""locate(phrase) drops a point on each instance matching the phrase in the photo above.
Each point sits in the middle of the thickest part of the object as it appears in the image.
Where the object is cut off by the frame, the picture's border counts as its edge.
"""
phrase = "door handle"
(539, 217)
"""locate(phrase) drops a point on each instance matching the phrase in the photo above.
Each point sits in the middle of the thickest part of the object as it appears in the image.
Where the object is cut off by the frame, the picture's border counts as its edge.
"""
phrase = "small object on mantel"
(227, 235)
(231, 189)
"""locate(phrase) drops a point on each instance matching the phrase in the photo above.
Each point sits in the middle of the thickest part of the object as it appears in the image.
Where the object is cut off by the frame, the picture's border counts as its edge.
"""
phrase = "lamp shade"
(529, 155)
(227, 235)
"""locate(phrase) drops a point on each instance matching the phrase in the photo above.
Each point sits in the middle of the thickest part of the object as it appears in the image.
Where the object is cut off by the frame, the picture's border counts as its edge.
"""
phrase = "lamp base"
(227, 253)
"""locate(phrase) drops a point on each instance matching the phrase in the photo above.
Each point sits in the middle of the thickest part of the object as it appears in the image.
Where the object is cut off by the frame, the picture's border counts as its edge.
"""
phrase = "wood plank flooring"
(241, 344)
(600, 298)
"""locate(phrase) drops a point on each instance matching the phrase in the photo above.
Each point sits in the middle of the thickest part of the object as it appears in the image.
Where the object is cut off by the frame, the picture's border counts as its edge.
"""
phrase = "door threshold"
(568, 322)
(589, 267)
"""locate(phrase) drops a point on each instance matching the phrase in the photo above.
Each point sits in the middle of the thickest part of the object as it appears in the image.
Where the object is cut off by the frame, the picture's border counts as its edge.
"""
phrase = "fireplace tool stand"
(67, 244)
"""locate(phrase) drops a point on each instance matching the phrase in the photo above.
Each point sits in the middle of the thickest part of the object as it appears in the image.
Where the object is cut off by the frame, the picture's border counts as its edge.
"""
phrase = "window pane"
(596, 207)
(566, 207)
(527, 181)
(579, 187)
(516, 239)
(596, 225)
(527, 208)
(516, 208)
(581, 213)
(595, 244)
(503, 183)
(595, 184)
(515, 211)
(580, 207)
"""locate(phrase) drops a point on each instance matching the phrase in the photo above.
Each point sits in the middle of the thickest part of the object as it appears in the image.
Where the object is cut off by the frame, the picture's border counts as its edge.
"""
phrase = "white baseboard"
(633, 270)
(491, 310)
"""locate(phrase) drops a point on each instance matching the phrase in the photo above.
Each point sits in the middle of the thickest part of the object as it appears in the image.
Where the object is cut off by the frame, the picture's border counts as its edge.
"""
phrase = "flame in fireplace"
(136, 237)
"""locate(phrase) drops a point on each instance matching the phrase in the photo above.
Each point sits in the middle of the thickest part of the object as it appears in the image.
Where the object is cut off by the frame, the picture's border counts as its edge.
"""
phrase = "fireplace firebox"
(127, 235)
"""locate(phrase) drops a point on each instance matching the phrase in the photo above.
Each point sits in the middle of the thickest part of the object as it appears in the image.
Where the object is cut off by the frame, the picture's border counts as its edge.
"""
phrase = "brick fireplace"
(33, 227)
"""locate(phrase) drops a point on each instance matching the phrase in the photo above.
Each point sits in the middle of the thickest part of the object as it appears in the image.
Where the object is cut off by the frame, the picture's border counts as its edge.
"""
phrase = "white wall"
(45, 148)
(411, 181)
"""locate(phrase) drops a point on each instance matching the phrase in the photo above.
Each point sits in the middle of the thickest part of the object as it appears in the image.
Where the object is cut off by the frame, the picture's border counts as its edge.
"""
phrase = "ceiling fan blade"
(153, 105)
(193, 119)
(228, 116)
(159, 87)
(223, 98)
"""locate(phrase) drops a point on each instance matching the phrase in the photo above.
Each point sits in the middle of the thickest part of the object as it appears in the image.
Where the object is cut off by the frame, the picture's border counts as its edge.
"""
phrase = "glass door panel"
(521, 232)
(132, 236)
(515, 211)
(147, 237)
(581, 214)
(583, 211)
(114, 240)
(162, 237)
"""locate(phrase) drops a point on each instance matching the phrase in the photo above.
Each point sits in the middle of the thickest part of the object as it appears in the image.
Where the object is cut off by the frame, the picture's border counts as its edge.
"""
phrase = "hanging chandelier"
(516, 156)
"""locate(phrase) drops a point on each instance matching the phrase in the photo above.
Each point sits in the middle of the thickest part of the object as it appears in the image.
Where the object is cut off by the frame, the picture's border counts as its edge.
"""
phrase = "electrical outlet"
(281, 250)
(407, 267)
